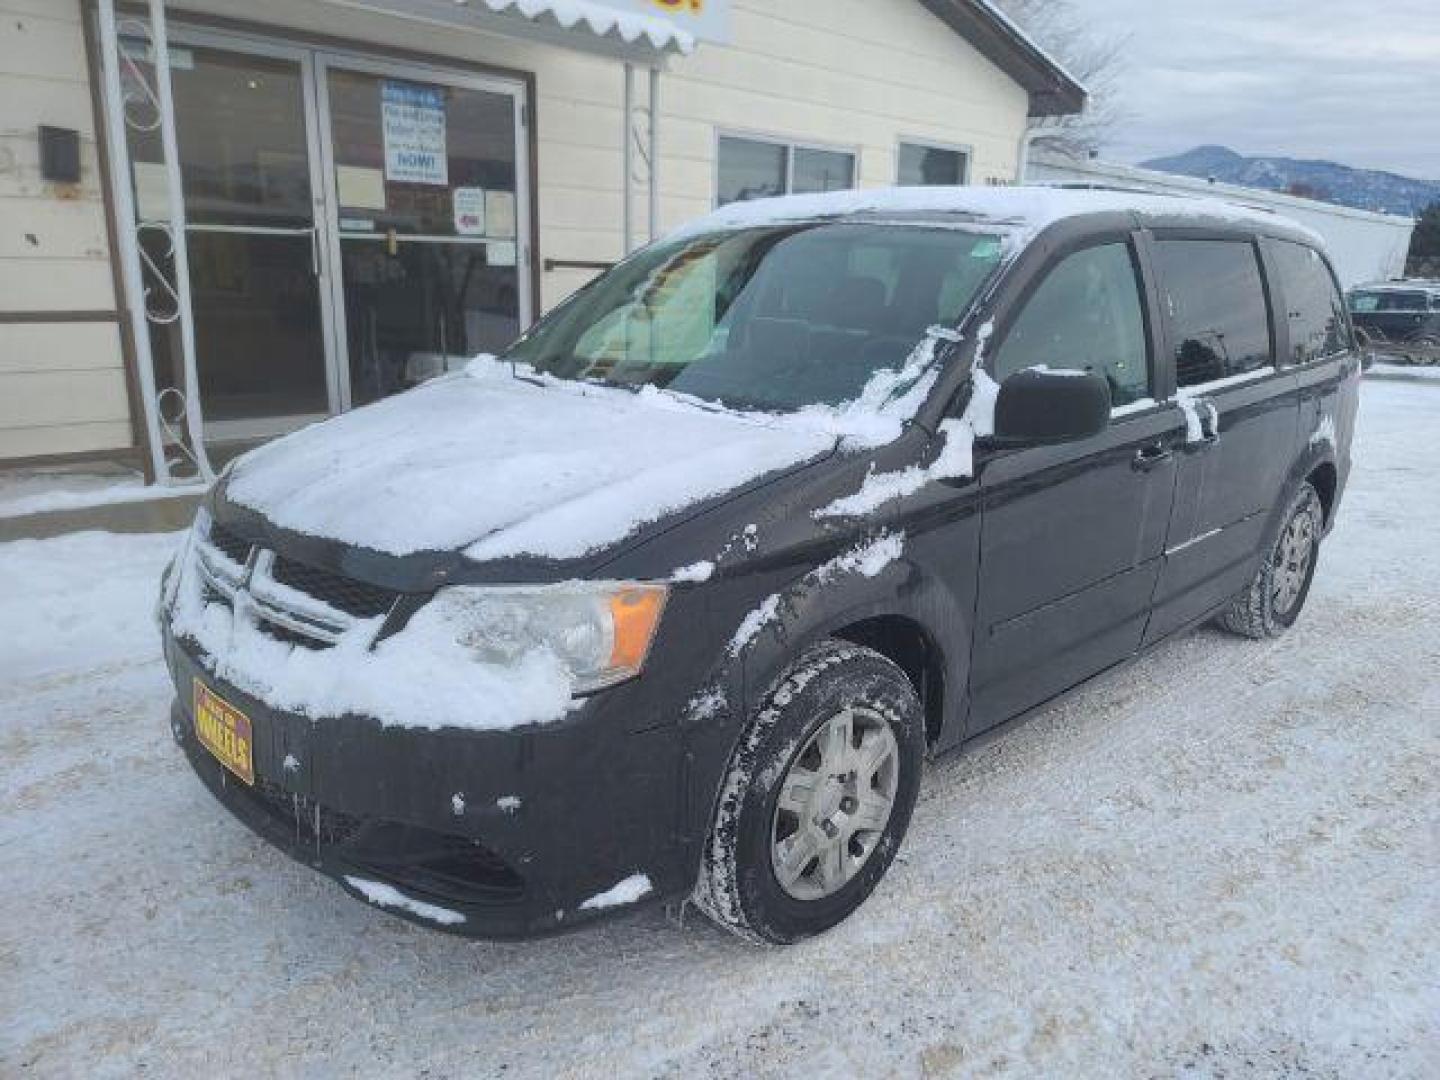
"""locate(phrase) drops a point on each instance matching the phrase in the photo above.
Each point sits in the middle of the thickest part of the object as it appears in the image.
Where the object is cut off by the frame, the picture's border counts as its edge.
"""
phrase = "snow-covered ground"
(1223, 861)
(35, 491)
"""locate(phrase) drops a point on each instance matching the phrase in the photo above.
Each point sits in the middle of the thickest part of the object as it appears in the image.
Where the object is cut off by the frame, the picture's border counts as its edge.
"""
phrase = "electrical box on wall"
(60, 154)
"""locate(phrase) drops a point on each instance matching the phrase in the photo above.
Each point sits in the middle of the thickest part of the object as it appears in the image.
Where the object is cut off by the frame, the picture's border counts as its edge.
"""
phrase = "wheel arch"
(1325, 479)
(905, 642)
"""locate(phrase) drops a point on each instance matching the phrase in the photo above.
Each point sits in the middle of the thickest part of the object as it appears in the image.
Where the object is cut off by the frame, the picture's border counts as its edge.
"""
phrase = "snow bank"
(1382, 370)
(41, 491)
(377, 892)
(87, 584)
(633, 888)
(420, 678)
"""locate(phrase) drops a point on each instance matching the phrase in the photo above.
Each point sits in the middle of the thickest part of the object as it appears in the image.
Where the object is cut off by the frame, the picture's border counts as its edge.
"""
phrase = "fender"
(1306, 462)
(819, 604)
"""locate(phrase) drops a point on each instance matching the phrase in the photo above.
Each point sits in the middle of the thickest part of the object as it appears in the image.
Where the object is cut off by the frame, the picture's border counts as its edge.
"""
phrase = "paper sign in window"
(360, 189)
(500, 213)
(412, 118)
(470, 211)
(500, 254)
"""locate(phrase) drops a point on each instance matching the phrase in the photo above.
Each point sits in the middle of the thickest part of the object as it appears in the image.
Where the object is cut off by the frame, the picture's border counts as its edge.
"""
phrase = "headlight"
(601, 632)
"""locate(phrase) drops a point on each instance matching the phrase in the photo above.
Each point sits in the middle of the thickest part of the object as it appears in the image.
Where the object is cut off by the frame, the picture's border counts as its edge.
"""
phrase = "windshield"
(1390, 300)
(773, 319)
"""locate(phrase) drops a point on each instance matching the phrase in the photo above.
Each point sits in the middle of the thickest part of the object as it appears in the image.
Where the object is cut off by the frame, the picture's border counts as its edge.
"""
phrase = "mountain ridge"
(1316, 178)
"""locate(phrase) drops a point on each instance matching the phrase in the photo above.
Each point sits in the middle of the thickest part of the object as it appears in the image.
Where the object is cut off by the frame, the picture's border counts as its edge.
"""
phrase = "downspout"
(1027, 140)
(627, 158)
(654, 229)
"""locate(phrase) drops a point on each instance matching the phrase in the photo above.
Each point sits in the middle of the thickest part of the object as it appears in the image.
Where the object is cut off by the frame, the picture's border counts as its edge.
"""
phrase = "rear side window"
(1216, 300)
(1315, 311)
(1085, 315)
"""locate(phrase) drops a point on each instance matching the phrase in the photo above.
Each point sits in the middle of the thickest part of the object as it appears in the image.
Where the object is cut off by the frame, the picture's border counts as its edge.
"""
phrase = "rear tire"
(817, 797)
(1272, 601)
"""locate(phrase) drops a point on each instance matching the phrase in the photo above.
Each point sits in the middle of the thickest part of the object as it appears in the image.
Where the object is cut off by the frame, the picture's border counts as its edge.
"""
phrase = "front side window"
(757, 169)
(771, 319)
(929, 166)
(1086, 315)
(1218, 315)
(1315, 312)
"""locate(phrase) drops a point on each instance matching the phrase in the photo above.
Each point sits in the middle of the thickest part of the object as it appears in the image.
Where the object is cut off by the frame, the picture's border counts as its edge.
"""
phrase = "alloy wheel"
(834, 803)
(1293, 555)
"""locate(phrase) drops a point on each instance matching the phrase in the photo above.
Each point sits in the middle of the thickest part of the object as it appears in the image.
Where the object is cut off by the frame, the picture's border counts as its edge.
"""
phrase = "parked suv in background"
(673, 599)
(1399, 320)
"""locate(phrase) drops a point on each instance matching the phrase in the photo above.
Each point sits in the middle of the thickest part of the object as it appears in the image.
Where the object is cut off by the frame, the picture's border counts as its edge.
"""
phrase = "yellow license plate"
(225, 731)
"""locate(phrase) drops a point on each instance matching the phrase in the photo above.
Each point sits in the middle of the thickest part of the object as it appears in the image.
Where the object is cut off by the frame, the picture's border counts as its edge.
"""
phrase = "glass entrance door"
(244, 123)
(354, 226)
(424, 170)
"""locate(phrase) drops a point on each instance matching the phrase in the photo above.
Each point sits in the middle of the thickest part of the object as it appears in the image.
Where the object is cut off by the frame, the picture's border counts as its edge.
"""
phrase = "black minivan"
(672, 600)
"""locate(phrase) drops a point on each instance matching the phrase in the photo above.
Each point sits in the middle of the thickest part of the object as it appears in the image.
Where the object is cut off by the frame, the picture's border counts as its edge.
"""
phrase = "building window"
(927, 166)
(757, 168)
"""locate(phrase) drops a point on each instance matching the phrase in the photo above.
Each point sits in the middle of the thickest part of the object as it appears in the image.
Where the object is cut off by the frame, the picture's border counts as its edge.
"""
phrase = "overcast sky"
(1355, 82)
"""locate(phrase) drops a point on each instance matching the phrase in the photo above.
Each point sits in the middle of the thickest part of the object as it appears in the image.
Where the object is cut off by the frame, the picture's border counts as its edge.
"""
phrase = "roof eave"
(1053, 90)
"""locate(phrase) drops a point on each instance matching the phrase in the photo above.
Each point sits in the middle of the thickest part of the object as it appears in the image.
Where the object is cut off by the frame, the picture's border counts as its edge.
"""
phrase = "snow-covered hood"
(499, 466)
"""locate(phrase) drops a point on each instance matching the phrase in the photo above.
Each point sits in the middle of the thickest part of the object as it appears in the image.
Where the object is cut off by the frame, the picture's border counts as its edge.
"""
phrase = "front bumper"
(511, 830)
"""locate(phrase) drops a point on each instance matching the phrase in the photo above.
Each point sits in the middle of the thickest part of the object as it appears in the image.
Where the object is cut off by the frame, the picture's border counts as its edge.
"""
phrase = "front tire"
(817, 798)
(1272, 601)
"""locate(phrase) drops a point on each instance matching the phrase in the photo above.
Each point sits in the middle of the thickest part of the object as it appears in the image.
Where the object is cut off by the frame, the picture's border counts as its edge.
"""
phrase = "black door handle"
(1147, 457)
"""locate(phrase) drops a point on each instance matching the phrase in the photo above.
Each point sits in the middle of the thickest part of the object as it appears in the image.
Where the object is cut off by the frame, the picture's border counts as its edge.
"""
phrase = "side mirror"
(1048, 405)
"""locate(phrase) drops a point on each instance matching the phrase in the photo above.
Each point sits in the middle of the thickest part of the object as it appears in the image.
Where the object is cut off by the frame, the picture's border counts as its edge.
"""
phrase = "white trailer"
(1365, 246)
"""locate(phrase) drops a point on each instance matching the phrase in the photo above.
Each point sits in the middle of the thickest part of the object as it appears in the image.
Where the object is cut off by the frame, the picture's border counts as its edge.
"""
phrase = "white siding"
(62, 384)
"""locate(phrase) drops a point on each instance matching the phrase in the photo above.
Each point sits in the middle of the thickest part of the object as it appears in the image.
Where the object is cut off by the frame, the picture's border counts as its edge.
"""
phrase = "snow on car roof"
(1023, 210)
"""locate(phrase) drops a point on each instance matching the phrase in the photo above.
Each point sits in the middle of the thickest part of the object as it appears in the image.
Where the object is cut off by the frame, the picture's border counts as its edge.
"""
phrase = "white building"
(1364, 246)
(371, 186)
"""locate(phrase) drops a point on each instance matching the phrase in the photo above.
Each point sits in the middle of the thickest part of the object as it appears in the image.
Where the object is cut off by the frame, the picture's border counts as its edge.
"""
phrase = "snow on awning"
(600, 19)
(606, 26)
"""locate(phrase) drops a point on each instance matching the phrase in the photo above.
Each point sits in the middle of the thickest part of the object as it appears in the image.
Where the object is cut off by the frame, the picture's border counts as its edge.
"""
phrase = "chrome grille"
(291, 602)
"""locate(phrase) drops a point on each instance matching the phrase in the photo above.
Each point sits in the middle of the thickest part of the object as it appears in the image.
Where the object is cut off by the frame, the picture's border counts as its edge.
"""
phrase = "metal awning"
(602, 26)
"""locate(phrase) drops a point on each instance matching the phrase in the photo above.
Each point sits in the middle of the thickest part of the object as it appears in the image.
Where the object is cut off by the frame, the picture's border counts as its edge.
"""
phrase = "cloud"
(1354, 83)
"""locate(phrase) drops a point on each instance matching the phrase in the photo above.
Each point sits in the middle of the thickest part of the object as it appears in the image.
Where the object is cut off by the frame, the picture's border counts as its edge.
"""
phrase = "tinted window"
(1217, 308)
(1314, 309)
(1086, 314)
(928, 165)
